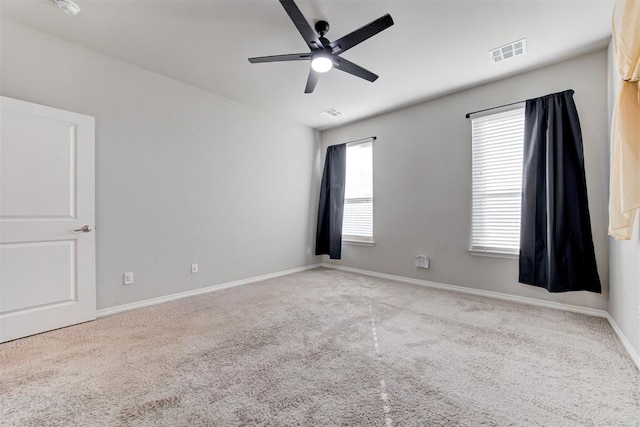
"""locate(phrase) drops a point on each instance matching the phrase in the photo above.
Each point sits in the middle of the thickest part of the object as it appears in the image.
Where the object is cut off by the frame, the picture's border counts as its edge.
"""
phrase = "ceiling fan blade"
(280, 58)
(312, 81)
(351, 68)
(361, 34)
(308, 33)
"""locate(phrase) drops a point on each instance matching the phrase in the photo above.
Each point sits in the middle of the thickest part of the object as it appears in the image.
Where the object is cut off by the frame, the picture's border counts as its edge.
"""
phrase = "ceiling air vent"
(331, 113)
(508, 51)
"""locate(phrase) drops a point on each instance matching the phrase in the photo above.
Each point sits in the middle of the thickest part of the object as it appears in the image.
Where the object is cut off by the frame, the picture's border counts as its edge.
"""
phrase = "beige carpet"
(323, 347)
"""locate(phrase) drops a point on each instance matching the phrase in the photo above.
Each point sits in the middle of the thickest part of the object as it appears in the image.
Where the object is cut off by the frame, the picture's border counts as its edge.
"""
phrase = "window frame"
(354, 238)
(474, 248)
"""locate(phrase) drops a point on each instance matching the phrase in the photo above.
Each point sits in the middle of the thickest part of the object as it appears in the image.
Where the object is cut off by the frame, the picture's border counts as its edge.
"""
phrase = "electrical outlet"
(194, 268)
(308, 250)
(128, 278)
(422, 261)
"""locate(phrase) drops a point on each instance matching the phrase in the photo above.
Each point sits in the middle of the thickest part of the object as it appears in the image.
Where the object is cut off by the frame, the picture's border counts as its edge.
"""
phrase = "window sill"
(358, 242)
(493, 254)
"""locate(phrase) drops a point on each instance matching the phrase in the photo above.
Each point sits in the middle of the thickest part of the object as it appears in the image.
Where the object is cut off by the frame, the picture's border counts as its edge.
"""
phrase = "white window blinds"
(497, 141)
(357, 223)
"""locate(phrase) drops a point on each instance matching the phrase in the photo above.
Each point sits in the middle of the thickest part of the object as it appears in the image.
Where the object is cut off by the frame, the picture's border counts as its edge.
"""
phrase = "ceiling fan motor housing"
(322, 27)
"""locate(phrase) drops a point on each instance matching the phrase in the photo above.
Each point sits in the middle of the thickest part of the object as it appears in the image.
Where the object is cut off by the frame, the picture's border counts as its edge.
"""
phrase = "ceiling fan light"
(321, 64)
(68, 7)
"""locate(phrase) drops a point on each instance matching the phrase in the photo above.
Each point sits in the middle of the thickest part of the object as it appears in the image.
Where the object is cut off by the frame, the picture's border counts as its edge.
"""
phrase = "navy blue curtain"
(556, 245)
(331, 206)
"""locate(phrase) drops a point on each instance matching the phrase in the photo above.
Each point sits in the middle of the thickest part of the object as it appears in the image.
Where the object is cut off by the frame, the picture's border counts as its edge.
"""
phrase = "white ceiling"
(435, 47)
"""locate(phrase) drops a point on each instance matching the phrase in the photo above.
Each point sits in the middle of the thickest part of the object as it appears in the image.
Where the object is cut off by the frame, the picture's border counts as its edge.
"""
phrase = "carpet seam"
(384, 396)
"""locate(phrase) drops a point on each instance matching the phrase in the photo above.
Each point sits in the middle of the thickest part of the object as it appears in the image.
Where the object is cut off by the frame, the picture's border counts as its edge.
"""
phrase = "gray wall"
(187, 176)
(422, 181)
(624, 257)
(182, 175)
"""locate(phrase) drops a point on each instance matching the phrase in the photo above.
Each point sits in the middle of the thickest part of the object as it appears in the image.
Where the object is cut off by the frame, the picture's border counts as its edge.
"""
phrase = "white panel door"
(47, 184)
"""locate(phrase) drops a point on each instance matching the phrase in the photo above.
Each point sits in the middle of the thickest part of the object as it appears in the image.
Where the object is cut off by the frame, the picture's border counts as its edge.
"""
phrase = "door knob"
(84, 229)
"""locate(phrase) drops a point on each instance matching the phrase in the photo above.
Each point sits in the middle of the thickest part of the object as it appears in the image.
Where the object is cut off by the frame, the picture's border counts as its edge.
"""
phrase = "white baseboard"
(159, 300)
(625, 342)
(471, 291)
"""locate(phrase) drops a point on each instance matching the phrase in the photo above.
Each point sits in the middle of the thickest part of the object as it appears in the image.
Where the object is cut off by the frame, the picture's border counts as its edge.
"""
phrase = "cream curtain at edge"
(624, 196)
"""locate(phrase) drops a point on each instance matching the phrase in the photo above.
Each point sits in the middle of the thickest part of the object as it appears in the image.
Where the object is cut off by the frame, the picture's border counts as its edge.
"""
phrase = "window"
(357, 223)
(497, 141)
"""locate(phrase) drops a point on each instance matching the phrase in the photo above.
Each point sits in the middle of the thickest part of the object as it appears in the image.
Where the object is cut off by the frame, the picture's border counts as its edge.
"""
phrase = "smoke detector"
(68, 7)
(330, 112)
(509, 50)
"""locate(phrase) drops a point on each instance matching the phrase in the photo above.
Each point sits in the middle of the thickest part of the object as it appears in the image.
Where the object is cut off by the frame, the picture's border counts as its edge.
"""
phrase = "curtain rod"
(513, 103)
(361, 139)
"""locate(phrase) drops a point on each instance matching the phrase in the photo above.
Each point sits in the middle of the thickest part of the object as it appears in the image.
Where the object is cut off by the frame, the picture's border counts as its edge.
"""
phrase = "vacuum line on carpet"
(383, 387)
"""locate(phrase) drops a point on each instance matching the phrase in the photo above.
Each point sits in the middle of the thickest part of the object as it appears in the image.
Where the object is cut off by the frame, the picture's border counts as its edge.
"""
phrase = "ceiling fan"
(325, 54)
